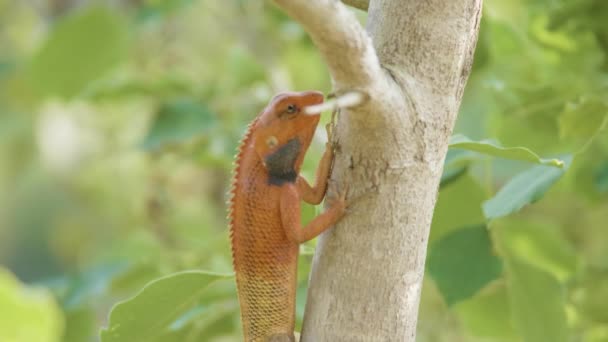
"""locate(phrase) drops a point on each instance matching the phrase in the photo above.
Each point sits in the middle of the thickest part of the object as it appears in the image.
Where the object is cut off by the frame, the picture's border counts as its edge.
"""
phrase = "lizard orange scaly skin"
(265, 213)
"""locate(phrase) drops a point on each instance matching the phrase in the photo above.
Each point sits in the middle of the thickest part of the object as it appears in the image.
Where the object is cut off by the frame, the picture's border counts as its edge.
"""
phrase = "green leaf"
(80, 49)
(537, 302)
(488, 314)
(27, 314)
(458, 206)
(462, 263)
(179, 121)
(217, 315)
(583, 119)
(134, 277)
(496, 150)
(152, 312)
(523, 189)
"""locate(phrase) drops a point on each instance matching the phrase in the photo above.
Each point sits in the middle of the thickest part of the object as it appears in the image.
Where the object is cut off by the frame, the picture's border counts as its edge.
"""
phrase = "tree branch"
(341, 40)
(413, 66)
(360, 4)
(391, 156)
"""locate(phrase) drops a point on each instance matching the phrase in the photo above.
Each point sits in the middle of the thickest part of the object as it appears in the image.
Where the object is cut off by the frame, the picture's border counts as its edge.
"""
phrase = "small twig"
(347, 100)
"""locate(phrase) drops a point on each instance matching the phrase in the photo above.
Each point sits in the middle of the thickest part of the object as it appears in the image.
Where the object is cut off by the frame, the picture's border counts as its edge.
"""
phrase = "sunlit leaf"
(152, 312)
(80, 49)
(27, 314)
(597, 333)
(134, 277)
(523, 189)
(541, 245)
(462, 262)
(496, 150)
(536, 127)
(537, 302)
(589, 293)
(583, 119)
(488, 314)
(554, 39)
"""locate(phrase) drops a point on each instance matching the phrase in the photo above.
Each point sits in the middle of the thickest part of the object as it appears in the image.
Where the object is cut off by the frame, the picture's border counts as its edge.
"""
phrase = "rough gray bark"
(413, 62)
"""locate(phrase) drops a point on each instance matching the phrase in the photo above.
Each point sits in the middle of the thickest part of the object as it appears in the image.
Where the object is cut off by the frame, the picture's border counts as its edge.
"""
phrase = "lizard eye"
(291, 109)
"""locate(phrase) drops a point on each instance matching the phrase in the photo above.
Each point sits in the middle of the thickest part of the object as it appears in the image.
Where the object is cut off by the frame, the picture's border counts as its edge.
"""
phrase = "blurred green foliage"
(28, 314)
(118, 125)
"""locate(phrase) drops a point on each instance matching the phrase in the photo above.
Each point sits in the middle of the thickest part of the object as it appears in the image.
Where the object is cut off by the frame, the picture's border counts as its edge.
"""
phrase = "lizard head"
(284, 132)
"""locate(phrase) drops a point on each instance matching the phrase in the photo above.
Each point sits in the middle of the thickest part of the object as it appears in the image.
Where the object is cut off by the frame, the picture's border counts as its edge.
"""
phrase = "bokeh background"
(119, 122)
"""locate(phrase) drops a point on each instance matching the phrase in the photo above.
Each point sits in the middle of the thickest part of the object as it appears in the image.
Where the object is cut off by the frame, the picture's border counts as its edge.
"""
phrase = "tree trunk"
(412, 62)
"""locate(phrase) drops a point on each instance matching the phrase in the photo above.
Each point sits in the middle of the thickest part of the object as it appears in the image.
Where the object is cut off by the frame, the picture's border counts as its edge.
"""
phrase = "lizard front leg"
(314, 194)
(290, 215)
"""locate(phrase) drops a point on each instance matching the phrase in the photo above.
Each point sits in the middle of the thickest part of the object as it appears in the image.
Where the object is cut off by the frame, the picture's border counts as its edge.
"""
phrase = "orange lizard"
(265, 227)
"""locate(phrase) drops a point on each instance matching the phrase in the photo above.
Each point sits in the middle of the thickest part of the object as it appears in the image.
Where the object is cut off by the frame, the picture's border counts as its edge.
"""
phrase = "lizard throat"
(281, 163)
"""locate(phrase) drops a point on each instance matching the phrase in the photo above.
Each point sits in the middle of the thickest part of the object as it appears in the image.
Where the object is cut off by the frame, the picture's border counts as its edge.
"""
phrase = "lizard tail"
(282, 338)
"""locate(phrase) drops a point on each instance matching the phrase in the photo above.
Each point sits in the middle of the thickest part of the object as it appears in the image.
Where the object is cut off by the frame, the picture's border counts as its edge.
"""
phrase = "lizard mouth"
(312, 107)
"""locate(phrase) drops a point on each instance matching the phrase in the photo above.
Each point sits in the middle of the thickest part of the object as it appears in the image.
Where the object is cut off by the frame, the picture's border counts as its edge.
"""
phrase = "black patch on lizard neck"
(281, 163)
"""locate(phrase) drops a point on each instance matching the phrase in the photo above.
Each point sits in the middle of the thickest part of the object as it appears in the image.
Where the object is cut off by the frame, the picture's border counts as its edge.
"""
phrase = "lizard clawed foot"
(337, 201)
(329, 131)
(330, 127)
